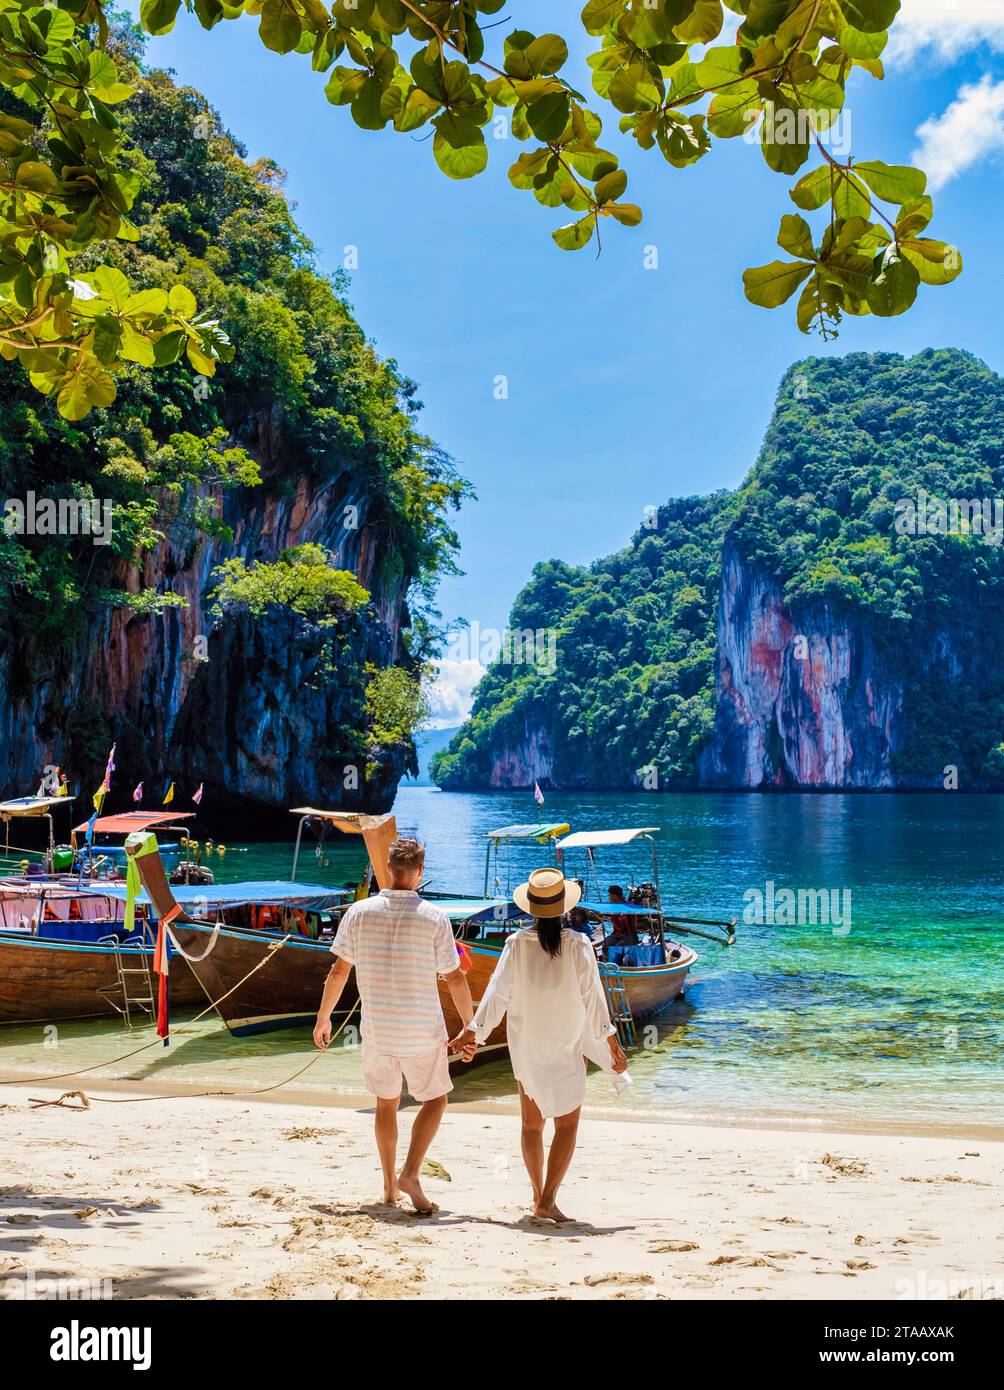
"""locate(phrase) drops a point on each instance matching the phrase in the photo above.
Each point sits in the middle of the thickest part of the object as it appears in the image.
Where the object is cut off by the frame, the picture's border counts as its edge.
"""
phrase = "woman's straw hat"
(547, 893)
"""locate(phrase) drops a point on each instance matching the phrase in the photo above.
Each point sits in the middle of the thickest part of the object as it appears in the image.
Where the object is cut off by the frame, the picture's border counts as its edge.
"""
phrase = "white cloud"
(947, 28)
(452, 693)
(969, 130)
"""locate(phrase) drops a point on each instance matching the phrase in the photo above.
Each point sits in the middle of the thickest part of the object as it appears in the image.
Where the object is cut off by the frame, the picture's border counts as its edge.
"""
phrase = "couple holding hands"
(546, 984)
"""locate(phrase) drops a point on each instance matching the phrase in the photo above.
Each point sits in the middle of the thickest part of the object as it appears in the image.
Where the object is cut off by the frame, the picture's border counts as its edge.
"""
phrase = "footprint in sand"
(672, 1247)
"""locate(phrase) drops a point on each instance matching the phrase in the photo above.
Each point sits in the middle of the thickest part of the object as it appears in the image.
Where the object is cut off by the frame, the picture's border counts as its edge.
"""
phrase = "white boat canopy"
(540, 833)
(593, 839)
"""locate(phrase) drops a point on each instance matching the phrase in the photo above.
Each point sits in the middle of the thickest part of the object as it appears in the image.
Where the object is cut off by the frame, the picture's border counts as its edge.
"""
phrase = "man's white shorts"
(427, 1075)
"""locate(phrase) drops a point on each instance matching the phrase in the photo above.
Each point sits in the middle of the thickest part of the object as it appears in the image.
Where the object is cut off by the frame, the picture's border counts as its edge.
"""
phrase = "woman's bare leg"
(566, 1129)
(532, 1142)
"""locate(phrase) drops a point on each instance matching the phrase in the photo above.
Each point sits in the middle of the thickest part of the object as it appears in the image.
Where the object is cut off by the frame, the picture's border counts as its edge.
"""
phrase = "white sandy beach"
(199, 1198)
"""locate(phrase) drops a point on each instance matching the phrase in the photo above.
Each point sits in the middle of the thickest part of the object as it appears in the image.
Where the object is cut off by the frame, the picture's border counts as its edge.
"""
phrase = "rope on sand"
(270, 954)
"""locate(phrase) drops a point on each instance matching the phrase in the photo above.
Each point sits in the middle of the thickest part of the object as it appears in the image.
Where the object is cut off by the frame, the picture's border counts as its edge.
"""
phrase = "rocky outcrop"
(252, 709)
(524, 760)
(803, 697)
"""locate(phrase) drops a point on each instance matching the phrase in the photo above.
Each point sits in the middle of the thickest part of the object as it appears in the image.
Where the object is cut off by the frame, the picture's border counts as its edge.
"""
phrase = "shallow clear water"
(893, 1017)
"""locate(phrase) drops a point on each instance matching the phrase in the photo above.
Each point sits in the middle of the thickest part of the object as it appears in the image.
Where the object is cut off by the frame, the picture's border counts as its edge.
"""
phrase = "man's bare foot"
(547, 1211)
(413, 1191)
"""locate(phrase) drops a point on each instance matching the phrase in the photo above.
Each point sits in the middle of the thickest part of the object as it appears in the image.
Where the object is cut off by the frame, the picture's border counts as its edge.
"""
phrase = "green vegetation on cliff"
(826, 511)
(304, 396)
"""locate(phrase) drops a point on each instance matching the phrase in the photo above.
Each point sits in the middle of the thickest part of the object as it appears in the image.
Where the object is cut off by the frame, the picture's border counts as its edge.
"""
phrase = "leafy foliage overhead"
(70, 180)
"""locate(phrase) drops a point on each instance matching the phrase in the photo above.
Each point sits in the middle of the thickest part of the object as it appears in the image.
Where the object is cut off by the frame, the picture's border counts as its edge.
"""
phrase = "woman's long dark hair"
(549, 934)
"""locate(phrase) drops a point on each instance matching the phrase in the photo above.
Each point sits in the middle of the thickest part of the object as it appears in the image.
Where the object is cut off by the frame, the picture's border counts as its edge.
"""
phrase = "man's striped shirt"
(398, 944)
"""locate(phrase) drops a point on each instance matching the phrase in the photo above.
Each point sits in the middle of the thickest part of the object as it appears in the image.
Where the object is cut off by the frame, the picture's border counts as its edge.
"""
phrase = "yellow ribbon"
(140, 843)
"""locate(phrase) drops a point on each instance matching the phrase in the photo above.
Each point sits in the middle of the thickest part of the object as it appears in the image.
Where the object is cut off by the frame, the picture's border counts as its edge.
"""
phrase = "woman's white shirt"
(557, 1015)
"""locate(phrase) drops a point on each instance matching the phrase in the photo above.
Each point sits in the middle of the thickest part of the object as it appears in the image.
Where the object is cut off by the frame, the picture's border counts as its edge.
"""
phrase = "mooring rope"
(270, 954)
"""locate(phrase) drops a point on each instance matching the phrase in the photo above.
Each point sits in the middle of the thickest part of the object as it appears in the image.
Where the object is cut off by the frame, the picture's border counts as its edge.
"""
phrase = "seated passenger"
(624, 933)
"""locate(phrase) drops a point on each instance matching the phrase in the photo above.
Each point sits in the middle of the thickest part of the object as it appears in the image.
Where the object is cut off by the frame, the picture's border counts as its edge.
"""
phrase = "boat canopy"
(378, 832)
(129, 821)
(540, 833)
(594, 839)
(214, 897)
(477, 909)
(31, 806)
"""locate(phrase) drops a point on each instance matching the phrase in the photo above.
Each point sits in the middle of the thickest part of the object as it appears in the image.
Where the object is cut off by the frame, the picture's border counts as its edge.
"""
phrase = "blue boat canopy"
(213, 897)
(607, 909)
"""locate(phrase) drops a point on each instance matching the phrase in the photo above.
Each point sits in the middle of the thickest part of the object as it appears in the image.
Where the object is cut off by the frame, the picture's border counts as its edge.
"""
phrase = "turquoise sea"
(890, 1016)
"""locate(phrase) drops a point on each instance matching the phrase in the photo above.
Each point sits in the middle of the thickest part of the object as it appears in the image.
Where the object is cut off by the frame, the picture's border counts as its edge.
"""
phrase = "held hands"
(322, 1032)
(620, 1062)
(464, 1045)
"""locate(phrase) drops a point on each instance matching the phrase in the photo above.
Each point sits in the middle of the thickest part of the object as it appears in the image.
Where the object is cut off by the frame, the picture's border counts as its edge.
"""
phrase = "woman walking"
(548, 983)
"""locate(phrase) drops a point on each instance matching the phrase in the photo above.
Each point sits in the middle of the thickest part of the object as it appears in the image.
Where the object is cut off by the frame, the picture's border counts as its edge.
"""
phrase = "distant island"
(835, 623)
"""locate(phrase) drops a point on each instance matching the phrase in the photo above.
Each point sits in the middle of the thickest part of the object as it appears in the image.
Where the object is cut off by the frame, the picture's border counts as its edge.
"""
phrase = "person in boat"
(399, 946)
(624, 933)
(547, 983)
(578, 920)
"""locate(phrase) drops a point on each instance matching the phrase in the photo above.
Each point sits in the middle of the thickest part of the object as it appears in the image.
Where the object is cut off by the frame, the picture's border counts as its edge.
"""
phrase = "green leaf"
(86, 385)
(627, 214)
(784, 137)
(812, 189)
(704, 22)
(112, 286)
(576, 234)
(773, 284)
(936, 262)
(795, 236)
(894, 288)
(547, 54)
(460, 163)
(182, 301)
(548, 116)
(611, 186)
(720, 66)
(893, 183)
(280, 26)
(869, 16)
(600, 14)
(858, 45)
(158, 16)
(732, 113)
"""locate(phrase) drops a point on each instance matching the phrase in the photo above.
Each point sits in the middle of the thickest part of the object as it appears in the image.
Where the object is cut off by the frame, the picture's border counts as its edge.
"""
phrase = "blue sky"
(626, 385)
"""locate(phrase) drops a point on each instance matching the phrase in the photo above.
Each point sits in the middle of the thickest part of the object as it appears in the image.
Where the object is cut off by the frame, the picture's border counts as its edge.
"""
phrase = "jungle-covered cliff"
(259, 616)
(834, 623)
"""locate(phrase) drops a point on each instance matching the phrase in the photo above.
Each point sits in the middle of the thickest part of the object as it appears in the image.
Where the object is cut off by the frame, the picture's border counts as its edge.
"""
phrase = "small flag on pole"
(64, 785)
(106, 784)
(138, 793)
(538, 795)
(170, 795)
(197, 796)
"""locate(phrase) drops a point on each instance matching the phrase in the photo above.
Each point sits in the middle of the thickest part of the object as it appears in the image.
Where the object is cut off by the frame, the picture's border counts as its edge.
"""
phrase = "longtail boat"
(285, 991)
(63, 951)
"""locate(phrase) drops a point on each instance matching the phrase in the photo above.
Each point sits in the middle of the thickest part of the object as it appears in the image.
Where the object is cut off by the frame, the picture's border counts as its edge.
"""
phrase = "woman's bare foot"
(391, 1196)
(547, 1211)
(413, 1191)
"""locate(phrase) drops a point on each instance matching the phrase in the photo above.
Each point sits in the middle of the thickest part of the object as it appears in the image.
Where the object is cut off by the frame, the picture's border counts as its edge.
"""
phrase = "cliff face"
(250, 707)
(836, 623)
(802, 697)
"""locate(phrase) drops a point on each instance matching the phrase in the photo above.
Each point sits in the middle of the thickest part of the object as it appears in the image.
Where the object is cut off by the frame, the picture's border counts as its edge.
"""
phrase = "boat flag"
(197, 796)
(106, 784)
(538, 795)
(64, 785)
(138, 793)
(162, 966)
(170, 795)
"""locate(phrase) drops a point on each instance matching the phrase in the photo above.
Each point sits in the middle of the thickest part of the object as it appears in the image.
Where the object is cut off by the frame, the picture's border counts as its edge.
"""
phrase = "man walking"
(399, 945)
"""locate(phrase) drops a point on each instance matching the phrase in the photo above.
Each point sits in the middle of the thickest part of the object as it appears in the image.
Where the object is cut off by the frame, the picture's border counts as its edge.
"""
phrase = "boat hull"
(286, 992)
(44, 980)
